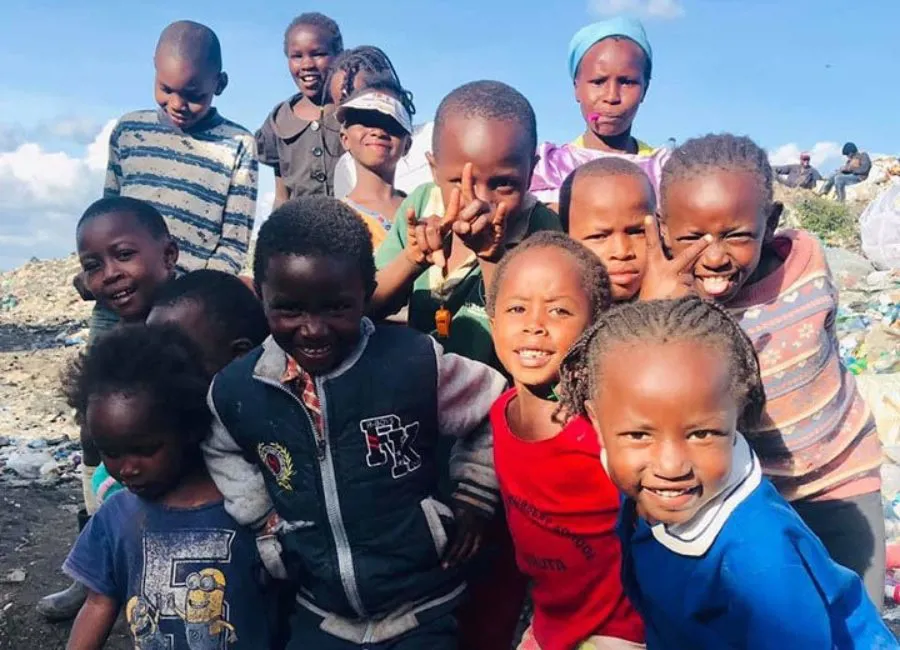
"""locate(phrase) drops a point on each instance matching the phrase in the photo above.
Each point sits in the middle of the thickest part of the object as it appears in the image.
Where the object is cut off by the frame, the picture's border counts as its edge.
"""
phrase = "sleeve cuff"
(476, 498)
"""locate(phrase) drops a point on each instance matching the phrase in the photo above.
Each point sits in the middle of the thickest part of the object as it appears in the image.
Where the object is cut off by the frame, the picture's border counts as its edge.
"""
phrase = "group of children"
(636, 407)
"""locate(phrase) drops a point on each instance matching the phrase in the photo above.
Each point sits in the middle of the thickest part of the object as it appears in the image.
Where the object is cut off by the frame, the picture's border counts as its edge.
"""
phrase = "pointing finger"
(451, 214)
(468, 186)
(411, 219)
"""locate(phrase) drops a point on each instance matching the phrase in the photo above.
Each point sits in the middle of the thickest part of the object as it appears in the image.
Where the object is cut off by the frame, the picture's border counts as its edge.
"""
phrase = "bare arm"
(394, 286)
(281, 192)
(94, 621)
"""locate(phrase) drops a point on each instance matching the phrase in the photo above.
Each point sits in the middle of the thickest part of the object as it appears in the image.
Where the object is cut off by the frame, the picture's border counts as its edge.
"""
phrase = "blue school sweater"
(744, 572)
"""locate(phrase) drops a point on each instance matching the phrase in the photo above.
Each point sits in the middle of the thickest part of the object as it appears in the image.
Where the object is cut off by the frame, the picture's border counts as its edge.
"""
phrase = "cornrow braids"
(321, 22)
(719, 152)
(593, 273)
(375, 65)
(662, 321)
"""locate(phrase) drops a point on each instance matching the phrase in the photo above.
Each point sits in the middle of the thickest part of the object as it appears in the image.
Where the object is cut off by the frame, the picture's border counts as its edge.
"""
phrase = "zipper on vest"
(332, 502)
(318, 436)
(338, 530)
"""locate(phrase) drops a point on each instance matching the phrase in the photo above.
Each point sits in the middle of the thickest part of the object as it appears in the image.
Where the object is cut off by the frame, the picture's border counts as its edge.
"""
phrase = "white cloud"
(663, 9)
(822, 155)
(45, 191)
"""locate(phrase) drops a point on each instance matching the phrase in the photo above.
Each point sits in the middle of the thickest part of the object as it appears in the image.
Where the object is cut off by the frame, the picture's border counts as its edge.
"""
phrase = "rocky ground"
(43, 326)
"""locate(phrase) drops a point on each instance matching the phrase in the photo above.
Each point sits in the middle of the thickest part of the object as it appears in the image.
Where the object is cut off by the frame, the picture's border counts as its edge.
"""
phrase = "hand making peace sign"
(668, 278)
(480, 229)
(471, 219)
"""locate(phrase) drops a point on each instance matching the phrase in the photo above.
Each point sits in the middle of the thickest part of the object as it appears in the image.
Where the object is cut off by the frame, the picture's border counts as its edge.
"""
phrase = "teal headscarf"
(586, 37)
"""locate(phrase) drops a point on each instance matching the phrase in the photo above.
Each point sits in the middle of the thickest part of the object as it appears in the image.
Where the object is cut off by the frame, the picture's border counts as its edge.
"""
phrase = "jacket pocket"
(435, 514)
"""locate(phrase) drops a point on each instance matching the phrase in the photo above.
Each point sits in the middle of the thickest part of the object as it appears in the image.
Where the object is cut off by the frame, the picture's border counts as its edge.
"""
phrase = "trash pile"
(39, 461)
(868, 327)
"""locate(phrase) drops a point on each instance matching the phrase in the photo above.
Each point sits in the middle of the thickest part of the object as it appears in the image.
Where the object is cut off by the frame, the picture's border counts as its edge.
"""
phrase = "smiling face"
(310, 54)
(668, 443)
(727, 205)
(314, 306)
(122, 264)
(501, 155)
(375, 140)
(138, 450)
(610, 86)
(541, 309)
(606, 214)
(185, 89)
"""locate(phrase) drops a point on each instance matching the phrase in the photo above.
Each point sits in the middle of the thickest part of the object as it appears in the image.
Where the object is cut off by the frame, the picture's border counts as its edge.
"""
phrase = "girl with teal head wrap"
(610, 64)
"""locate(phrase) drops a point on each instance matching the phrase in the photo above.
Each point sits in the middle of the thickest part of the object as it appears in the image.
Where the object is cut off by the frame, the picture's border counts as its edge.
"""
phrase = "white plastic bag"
(879, 227)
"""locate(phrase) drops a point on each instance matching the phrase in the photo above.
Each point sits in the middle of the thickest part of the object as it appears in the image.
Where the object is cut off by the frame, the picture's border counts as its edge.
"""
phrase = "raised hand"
(481, 229)
(668, 278)
(428, 240)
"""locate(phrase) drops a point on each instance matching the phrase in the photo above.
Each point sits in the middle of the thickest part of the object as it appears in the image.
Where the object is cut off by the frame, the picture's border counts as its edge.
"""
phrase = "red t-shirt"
(562, 508)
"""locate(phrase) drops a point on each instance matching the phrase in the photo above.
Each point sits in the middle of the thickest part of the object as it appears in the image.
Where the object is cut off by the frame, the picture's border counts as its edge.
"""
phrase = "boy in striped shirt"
(193, 165)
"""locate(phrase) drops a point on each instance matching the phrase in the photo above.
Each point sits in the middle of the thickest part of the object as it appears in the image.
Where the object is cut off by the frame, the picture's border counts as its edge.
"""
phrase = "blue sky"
(787, 72)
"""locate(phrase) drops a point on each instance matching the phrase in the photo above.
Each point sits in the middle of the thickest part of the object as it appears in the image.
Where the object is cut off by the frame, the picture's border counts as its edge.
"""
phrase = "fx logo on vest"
(386, 436)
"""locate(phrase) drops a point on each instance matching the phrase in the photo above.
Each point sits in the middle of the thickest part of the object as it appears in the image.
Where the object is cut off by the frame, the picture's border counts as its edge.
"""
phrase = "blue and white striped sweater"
(204, 183)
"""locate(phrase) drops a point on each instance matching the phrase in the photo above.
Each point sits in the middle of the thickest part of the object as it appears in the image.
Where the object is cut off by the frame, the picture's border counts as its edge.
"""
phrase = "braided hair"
(719, 152)
(593, 273)
(375, 65)
(662, 321)
(321, 22)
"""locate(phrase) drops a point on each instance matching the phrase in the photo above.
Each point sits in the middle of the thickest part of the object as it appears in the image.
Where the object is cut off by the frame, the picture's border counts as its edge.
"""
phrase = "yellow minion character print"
(143, 622)
(204, 611)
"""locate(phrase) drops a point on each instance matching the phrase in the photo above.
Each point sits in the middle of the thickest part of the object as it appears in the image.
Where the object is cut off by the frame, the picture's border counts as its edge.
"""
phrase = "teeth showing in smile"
(715, 286)
(671, 494)
(119, 295)
(533, 354)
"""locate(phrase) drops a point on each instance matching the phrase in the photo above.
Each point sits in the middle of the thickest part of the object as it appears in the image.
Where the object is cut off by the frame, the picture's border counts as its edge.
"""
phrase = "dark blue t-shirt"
(187, 578)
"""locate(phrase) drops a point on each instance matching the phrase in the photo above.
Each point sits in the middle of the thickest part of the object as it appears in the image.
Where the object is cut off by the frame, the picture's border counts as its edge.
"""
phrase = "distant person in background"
(301, 138)
(610, 64)
(376, 130)
(804, 175)
(854, 171)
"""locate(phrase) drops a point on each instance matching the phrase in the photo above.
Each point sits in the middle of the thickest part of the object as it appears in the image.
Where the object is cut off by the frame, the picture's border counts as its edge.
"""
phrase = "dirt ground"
(37, 526)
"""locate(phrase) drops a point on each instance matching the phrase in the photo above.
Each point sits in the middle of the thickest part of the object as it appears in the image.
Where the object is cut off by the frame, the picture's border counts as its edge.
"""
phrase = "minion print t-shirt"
(187, 579)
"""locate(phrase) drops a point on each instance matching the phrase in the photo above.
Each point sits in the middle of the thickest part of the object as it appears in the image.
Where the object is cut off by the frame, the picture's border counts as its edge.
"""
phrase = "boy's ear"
(240, 347)
(170, 254)
(773, 219)
(432, 165)
(408, 145)
(222, 83)
(344, 141)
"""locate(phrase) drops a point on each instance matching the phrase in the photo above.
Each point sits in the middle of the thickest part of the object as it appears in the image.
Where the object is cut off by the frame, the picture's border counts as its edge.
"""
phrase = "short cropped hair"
(488, 100)
(316, 226)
